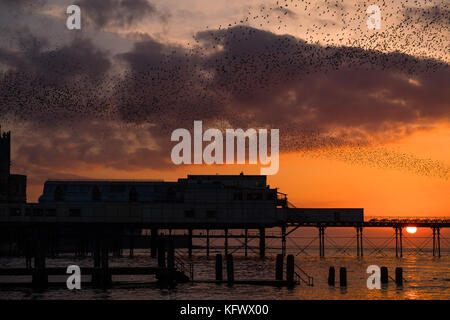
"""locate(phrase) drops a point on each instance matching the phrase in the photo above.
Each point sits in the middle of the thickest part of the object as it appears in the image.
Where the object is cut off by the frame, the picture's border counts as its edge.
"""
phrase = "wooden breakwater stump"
(230, 270)
(279, 267)
(331, 276)
(384, 275)
(399, 276)
(343, 277)
(290, 281)
(219, 268)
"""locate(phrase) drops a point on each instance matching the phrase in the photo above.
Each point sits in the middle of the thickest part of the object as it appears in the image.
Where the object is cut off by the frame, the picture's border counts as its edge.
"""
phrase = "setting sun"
(411, 229)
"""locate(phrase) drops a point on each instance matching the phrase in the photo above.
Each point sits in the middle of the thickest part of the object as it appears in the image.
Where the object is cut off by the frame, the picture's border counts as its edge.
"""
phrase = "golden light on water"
(411, 229)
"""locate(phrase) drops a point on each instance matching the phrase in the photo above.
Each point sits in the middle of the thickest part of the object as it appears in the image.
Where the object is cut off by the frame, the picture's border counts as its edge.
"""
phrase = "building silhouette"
(13, 187)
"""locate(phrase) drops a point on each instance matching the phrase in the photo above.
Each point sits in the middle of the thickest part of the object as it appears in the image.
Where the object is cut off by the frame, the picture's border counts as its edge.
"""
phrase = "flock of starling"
(226, 68)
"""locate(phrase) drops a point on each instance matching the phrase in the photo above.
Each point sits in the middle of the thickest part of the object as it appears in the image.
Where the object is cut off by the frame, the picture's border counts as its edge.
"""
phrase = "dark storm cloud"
(54, 85)
(119, 13)
(255, 78)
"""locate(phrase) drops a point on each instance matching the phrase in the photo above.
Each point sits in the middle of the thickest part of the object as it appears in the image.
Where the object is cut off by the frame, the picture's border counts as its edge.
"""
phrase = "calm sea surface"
(425, 278)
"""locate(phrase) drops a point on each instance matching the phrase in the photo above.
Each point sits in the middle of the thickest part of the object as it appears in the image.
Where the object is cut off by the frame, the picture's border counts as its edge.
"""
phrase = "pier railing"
(302, 276)
(183, 266)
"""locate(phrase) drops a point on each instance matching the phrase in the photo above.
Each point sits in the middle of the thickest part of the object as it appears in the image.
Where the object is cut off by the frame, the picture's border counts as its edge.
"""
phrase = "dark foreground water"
(425, 278)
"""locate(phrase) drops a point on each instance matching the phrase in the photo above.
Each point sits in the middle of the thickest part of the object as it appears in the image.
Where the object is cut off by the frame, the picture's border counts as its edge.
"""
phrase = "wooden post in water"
(331, 276)
(279, 267)
(384, 275)
(343, 277)
(399, 276)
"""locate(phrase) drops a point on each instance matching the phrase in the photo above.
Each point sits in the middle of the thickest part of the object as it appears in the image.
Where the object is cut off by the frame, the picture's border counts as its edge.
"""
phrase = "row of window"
(75, 212)
(254, 196)
(41, 212)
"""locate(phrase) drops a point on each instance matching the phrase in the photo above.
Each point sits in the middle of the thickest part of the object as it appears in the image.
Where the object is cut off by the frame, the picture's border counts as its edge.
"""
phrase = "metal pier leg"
(262, 243)
(283, 241)
(226, 241)
(434, 241)
(396, 242)
(357, 241)
(245, 242)
(322, 241)
(361, 239)
(190, 243)
(207, 242)
(401, 242)
(439, 241)
(153, 242)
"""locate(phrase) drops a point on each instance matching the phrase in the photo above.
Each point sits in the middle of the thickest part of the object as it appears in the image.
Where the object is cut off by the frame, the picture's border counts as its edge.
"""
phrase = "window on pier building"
(59, 194)
(133, 196)
(96, 194)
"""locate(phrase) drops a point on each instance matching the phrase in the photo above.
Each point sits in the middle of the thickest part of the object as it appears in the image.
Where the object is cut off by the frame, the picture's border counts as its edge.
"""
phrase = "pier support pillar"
(290, 270)
(190, 243)
(131, 254)
(226, 241)
(361, 251)
(262, 243)
(322, 241)
(101, 277)
(230, 270)
(283, 241)
(161, 253)
(171, 255)
(439, 241)
(357, 241)
(39, 277)
(219, 267)
(207, 243)
(153, 242)
(398, 242)
(436, 242)
(245, 242)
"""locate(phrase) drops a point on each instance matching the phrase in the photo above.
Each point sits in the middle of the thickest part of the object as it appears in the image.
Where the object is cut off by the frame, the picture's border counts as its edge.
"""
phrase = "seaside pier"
(101, 217)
